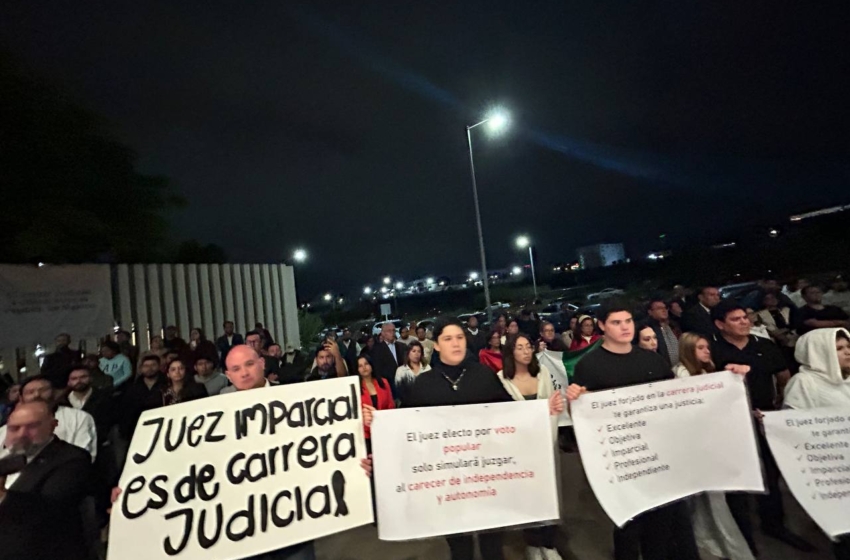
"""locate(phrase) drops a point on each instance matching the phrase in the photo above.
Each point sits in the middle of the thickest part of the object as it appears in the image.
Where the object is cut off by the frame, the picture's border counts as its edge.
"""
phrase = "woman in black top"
(181, 387)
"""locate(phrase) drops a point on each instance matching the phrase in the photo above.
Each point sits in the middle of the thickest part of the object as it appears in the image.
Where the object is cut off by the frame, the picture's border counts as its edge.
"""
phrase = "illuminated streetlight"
(384, 289)
(367, 290)
(473, 276)
(328, 297)
(399, 285)
(387, 280)
(429, 281)
(522, 242)
(516, 271)
(300, 255)
(496, 121)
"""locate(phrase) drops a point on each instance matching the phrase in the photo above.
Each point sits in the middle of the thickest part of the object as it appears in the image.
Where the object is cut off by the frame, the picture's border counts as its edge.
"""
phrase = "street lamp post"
(496, 122)
(522, 242)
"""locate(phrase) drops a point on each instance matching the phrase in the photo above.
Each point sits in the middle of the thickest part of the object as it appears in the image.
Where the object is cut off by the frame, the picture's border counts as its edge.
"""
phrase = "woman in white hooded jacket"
(823, 381)
(525, 379)
(824, 376)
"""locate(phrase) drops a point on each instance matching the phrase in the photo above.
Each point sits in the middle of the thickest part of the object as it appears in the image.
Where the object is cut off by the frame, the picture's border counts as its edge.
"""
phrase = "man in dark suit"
(349, 349)
(40, 507)
(57, 365)
(228, 340)
(698, 318)
(388, 355)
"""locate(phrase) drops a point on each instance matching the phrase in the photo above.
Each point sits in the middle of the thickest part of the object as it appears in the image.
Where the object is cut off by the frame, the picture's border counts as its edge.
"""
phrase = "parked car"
(590, 310)
(605, 294)
(735, 291)
(376, 328)
(428, 323)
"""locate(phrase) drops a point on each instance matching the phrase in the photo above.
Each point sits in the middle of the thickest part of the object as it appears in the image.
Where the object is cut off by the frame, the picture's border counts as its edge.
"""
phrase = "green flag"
(571, 358)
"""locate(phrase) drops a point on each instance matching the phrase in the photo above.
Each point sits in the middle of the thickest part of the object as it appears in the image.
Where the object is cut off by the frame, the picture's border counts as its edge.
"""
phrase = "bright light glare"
(497, 121)
(367, 290)
(399, 285)
(387, 279)
(300, 255)
(328, 297)
(429, 281)
(517, 270)
(523, 241)
(473, 275)
(383, 289)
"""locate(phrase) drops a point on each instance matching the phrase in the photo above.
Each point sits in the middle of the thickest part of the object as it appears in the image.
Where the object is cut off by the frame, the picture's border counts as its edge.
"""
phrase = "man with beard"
(329, 363)
(40, 506)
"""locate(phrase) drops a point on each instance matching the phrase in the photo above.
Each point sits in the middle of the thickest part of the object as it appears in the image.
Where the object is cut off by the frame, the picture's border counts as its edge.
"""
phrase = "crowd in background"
(792, 345)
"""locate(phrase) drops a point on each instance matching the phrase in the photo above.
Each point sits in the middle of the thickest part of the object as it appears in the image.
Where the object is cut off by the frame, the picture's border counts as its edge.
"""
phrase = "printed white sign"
(455, 469)
(39, 302)
(236, 475)
(648, 445)
(812, 449)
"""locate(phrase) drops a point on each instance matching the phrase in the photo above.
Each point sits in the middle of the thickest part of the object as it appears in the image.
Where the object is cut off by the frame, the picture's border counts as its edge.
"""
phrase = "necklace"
(455, 383)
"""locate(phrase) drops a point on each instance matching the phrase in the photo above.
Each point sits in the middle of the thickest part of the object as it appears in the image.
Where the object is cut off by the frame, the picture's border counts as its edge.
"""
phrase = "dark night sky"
(340, 126)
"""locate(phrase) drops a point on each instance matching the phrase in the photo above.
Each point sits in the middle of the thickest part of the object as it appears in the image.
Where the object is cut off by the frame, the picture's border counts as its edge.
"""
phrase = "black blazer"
(663, 351)
(40, 519)
(698, 320)
(383, 363)
(101, 406)
(223, 347)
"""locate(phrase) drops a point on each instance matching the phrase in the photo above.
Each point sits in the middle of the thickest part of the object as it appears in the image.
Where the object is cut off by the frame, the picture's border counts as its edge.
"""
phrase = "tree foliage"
(71, 193)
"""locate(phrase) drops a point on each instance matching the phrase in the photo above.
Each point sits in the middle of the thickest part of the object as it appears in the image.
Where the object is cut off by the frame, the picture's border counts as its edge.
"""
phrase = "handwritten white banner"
(447, 470)
(648, 445)
(812, 449)
(240, 474)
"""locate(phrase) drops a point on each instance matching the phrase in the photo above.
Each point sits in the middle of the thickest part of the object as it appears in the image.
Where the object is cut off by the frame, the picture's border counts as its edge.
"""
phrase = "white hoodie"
(819, 382)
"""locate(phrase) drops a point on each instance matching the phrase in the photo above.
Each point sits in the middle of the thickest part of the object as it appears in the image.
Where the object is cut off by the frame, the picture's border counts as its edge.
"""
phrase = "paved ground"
(585, 533)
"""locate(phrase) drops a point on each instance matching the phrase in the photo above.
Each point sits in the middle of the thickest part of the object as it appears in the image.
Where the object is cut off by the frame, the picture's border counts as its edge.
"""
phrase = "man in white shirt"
(427, 343)
(405, 337)
(74, 426)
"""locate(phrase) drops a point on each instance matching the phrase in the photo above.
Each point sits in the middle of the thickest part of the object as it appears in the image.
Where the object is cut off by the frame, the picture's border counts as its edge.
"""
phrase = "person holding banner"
(822, 382)
(665, 532)
(525, 379)
(766, 379)
(246, 371)
(458, 380)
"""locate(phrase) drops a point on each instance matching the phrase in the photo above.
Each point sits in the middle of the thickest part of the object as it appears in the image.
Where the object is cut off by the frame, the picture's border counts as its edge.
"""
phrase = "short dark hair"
(642, 325)
(32, 379)
(275, 344)
(150, 358)
(720, 311)
(227, 323)
(805, 290)
(80, 367)
(445, 321)
(122, 331)
(543, 325)
(508, 362)
(252, 333)
(610, 307)
(703, 288)
(653, 300)
(112, 346)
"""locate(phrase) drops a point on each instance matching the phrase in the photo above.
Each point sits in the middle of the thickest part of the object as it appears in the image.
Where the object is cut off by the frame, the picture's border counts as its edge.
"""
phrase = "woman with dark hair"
(374, 391)
(181, 387)
(512, 329)
(646, 338)
(585, 334)
(414, 364)
(491, 355)
(457, 380)
(525, 379)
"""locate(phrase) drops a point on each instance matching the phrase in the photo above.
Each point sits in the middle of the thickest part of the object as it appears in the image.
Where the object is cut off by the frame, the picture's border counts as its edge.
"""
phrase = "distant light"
(41, 264)
(328, 297)
(473, 276)
(516, 270)
(442, 283)
(773, 232)
(341, 300)
(399, 285)
(653, 257)
(429, 281)
(367, 290)
(384, 289)
(523, 241)
(300, 255)
(387, 280)
(662, 236)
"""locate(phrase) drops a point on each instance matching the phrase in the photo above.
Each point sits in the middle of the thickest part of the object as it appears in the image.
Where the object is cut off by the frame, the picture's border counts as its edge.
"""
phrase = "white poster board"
(554, 362)
(240, 474)
(456, 469)
(39, 302)
(648, 445)
(812, 449)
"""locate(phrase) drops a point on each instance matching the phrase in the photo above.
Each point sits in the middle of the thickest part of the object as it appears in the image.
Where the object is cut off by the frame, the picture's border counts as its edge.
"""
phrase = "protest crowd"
(74, 421)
